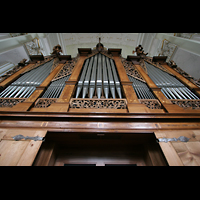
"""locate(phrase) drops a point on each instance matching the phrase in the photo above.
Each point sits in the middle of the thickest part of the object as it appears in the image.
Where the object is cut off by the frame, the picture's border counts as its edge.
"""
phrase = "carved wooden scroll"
(194, 104)
(10, 102)
(151, 103)
(44, 102)
(66, 69)
(131, 70)
(98, 103)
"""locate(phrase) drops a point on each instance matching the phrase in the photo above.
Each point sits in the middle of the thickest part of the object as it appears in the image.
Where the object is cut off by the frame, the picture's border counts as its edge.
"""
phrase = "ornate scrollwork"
(44, 102)
(10, 102)
(33, 47)
(98, 103)
(194, 104)
(131, 70)
(151, 103)
(66, 69)
(167, 49)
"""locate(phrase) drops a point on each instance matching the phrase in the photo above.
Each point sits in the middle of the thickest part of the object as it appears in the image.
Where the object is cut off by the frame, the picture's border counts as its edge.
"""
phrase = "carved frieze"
(10, 102)
(151, 103)
(194, 104)
(66, 69)
(98, 103)
(131, 70)
(44, 102)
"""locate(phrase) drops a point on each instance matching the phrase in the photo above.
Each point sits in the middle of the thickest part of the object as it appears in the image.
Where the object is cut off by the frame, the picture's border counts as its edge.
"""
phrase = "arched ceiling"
(126, 41)
(186, 54)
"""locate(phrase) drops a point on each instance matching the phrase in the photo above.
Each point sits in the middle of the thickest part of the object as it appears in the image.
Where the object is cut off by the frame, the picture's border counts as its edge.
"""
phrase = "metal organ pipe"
(111, 80)
(172, 88)
(105, 78)
(99, 73)
(117, 83)
(80, 82)
(87, 78)
(141, 89)
(99, 77)
(93, 78)
(25, 85)
(55, 88)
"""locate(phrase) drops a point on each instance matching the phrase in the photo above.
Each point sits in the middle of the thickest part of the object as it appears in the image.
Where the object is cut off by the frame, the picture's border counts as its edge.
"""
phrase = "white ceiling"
(126, 41)
(187, 55)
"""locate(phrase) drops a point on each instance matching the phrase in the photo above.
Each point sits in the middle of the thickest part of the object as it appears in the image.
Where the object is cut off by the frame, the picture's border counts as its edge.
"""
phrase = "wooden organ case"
(99, 109)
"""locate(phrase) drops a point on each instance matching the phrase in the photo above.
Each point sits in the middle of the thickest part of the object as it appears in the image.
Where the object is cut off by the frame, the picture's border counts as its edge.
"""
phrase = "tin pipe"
(12, 89)
(5, 91)
(105, 78)
(111, 80)
(190, 93)
(20, 91)
(99, 77)
(24, 92)
(59, 87)
(28, 94)
(15, 91)
(93, 77)
(170, 93)
(80, 82)
(117, 83)
(87, 78)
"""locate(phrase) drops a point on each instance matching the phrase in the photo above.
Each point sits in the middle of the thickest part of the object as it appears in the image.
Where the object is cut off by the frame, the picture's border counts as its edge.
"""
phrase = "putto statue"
(139, 50)
(57, 49)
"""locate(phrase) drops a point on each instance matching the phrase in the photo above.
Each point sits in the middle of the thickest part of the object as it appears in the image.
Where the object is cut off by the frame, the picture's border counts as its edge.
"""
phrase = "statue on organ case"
(139, 50)
(57, 49)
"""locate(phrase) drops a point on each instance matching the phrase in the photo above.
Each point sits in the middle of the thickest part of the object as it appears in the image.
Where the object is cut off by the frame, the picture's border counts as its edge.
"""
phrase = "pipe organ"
(24, 86)
(101, 108)
(171, 87)
(141, 89)
(99, 78)
(55, 88)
